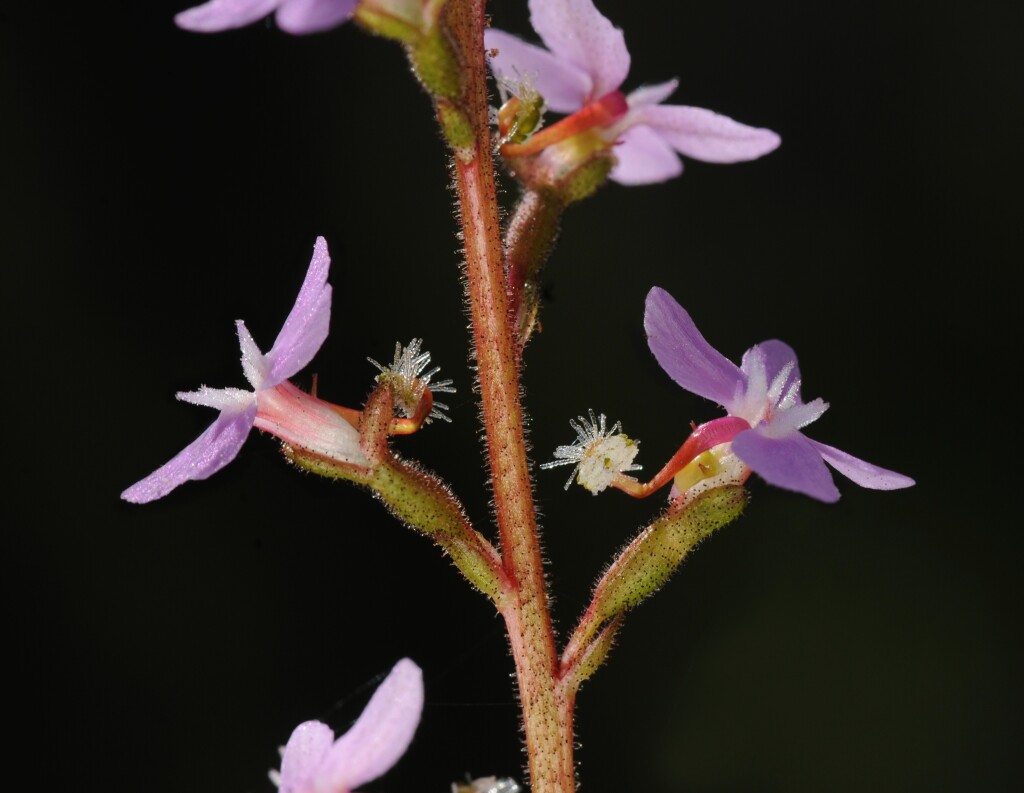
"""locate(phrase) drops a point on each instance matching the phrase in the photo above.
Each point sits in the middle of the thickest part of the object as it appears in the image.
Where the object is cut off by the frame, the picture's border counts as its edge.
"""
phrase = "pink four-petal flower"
(273, 405)
(765, 392)
(586, 59)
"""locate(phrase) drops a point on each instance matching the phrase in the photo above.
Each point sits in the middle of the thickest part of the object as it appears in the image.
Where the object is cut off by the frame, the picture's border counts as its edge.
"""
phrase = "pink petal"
(684, 354)
(381, 734)
(793, 463)
(306, 327)
(206, 455)
(575, 31)
(706, 135)
(303, 755)
(564, 86)
(642, 157)
(301, 420)
(863, 473)
(224, 14)
(312, 16)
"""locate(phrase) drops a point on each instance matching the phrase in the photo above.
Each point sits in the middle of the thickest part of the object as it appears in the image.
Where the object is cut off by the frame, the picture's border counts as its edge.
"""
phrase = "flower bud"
(572, 157)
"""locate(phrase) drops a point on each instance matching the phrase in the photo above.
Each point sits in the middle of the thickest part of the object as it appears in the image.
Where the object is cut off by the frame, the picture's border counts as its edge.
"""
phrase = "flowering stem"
(547, 711)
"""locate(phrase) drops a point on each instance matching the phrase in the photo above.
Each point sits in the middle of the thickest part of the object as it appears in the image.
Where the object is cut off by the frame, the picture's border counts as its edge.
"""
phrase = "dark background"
(160, 184)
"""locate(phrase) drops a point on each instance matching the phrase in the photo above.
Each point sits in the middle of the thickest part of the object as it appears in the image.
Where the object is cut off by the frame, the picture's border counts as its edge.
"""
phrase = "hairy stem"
(547, 711)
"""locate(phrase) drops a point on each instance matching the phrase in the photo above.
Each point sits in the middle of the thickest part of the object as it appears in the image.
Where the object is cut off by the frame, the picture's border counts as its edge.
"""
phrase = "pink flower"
(582, 70)
(764, 391)
(313, 762)
(293, 16)
(274, 404)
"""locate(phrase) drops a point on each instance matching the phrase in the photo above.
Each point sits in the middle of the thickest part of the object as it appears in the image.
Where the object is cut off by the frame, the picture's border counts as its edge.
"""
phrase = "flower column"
(547, 711)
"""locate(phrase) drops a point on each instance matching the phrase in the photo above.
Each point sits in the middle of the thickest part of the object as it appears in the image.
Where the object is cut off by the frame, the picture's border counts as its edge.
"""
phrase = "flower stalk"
(632, 139)
(547, 712)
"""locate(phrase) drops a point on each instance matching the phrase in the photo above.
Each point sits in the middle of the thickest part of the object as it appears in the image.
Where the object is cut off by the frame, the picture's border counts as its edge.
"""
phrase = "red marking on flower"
(600, 113)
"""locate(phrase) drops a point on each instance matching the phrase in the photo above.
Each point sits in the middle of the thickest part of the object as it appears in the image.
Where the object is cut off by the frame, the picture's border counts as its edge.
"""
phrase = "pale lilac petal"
(863, 473)
(644, 158)
(684, 354)
(206, 455)
(564, 86)
(224, 14)
(706, 135)
(577, 32)
(381, 734)
(793, 463)
(651, 94)
(303, 755)
(254, 363)
(313, 16)
(306, 327)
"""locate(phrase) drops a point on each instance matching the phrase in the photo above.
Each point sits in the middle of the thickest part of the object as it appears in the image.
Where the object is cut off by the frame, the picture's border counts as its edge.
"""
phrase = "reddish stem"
(547, 715)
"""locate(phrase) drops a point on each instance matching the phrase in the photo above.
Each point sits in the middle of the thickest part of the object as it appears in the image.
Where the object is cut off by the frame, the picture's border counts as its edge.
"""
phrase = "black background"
(160, 184)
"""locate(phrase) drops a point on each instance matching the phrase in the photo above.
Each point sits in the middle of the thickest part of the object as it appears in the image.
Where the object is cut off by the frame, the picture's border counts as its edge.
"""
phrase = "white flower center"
(775, 404)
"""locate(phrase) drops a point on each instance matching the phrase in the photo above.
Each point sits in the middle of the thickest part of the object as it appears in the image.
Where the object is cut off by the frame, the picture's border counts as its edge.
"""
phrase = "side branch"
(642, 568)
(415, 496)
